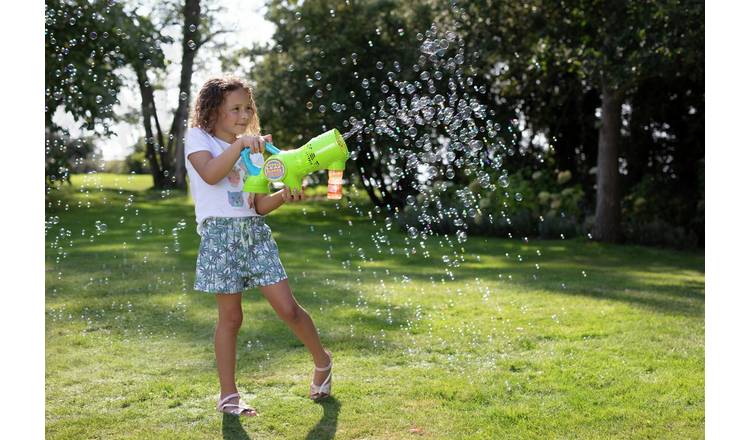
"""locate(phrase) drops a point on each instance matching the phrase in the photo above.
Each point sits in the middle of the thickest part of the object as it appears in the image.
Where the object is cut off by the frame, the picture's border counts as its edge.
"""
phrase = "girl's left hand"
(291, 195)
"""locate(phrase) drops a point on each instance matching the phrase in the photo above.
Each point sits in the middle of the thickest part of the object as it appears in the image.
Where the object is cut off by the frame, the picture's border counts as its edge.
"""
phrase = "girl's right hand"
(257, 144)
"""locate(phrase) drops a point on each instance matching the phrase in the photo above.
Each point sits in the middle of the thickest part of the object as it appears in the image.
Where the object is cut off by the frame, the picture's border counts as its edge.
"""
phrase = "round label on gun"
(274, 170)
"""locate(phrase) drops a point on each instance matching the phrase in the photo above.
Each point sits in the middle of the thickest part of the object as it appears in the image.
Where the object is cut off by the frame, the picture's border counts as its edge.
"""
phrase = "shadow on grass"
(232, 429)
(327, 425)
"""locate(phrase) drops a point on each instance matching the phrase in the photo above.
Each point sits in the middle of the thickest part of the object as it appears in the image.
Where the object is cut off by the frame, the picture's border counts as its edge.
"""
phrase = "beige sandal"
(237, 409)
(323, 390)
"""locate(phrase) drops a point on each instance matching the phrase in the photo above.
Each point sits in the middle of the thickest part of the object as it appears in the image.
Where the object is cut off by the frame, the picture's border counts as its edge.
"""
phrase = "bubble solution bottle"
(335, 183)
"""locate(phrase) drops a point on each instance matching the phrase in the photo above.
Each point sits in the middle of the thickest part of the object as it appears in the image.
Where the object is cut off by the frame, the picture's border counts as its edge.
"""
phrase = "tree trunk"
(364, 176)
(190, 42)
(148, 110)
(607, 217)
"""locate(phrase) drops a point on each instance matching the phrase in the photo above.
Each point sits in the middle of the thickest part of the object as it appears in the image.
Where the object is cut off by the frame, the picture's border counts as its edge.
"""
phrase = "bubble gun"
(327, 151)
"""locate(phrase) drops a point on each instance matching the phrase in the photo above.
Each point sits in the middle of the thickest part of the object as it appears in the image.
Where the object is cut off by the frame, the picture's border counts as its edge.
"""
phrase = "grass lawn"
(443, 341)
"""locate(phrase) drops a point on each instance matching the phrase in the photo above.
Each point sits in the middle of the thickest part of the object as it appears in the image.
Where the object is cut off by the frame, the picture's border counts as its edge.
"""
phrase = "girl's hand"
(255, 143)
(291, 195)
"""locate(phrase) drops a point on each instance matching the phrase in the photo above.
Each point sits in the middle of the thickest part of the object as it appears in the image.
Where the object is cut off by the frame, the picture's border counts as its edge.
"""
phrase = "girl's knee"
(291, 313)
(230, 319)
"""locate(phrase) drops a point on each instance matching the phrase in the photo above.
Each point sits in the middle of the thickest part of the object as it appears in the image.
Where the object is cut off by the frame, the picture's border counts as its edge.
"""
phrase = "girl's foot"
(320, 388)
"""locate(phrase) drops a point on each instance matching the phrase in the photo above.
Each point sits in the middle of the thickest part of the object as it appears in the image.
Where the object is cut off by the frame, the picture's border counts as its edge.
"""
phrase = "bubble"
(308, 38)
(318, 75)
(192, 28)
(475, 145)
(99, 99)
(379, 65)
(183, 96)
(429, 47)
(92, 35)
(322, 109)
(519, 196)
(191, 44)
(503, 180)
(310, 82)
(413, 233)
(461, 236)
(101, 227)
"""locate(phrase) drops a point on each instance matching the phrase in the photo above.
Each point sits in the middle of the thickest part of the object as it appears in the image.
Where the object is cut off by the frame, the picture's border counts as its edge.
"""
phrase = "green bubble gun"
(327, 151)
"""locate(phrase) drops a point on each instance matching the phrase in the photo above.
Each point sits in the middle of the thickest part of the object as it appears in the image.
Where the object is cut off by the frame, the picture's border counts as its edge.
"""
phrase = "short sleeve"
(196, 140)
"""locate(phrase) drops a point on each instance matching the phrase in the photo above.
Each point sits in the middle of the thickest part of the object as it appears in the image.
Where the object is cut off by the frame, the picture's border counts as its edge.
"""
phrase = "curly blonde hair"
(210, 98)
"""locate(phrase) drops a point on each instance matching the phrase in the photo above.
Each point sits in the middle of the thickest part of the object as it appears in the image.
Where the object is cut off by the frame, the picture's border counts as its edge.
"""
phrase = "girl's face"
(234, 115)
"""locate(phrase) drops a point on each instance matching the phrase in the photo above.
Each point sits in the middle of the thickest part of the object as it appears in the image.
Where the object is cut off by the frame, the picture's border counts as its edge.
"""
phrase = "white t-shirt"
(225, 198)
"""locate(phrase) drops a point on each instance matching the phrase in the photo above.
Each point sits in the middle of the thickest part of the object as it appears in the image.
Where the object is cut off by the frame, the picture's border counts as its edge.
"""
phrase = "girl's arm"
(264, 204)
(213, 169)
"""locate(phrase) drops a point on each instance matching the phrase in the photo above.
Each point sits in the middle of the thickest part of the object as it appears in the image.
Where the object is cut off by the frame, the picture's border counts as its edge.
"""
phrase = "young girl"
(237, 250)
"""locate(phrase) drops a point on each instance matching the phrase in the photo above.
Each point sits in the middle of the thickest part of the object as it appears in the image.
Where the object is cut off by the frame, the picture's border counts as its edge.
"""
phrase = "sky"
(246, 16)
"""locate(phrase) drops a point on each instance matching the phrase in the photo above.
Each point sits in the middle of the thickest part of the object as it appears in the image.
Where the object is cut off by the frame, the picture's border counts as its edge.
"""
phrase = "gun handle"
(251, 168)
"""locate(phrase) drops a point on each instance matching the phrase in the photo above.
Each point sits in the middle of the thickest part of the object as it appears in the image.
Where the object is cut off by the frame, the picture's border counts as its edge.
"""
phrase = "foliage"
(136, 162)
(86, 45)
(64, 155)
(654, 215)
(544, 203)
(548, 61)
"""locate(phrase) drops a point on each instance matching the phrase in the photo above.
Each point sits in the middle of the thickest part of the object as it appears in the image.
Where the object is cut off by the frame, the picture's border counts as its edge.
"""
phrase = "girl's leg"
(225, 339)
(280, 297)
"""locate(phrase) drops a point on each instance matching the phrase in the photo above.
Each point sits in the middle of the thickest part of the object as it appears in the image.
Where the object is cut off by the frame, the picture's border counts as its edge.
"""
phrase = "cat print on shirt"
(235, 198)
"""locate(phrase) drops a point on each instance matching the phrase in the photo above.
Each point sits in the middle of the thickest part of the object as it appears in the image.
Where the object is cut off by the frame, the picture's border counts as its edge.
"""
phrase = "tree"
(166, 152)
(358, 64)
(544, 48)
(85, 45)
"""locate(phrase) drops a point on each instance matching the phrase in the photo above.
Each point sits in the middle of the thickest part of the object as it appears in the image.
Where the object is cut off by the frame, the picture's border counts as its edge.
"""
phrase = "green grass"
(482, 346)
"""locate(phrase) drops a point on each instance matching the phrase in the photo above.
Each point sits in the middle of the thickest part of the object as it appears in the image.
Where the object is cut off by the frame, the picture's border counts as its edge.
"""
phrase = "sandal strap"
(239, 408)
(222, 401)
(324, 368)
(330, 364)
